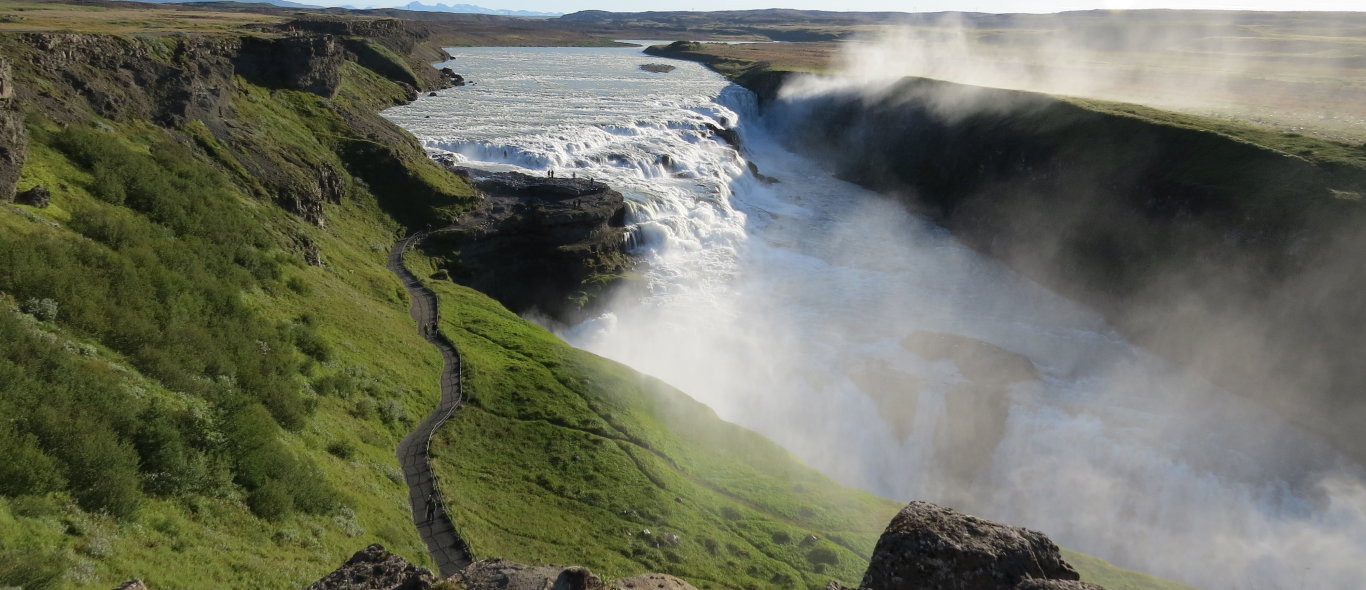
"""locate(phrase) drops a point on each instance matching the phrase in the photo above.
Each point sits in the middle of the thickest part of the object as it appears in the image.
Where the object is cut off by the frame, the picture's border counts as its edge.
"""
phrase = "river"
(881, 351)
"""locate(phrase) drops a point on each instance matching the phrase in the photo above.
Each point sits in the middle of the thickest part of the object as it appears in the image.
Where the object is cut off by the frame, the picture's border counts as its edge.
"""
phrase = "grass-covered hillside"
(188, 400)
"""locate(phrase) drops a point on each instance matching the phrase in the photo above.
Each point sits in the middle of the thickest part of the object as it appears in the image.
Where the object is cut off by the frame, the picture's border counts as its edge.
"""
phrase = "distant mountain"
(471, 9)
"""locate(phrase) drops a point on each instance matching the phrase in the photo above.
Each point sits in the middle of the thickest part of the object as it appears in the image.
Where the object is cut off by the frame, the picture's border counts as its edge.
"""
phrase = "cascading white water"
(785, 307)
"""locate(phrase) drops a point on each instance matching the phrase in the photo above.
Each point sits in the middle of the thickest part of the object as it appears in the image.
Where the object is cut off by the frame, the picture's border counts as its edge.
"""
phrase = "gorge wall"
(1232, 258)
(189, 83)
(13, 136)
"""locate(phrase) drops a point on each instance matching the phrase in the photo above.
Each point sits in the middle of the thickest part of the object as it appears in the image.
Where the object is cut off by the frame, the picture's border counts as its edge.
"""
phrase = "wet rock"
(454, 78)
(658, 68)
(754, 169)
(37, 196)
(729, 136)
(929, 547)
(375, 568)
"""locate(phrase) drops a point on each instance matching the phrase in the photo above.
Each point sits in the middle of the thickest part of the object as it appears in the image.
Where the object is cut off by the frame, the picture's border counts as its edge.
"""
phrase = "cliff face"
(1230, 257)
(13, 136)
(177, 81)
(543, 244)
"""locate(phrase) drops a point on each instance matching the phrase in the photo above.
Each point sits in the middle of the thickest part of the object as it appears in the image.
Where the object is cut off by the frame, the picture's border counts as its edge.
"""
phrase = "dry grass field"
(125, 18)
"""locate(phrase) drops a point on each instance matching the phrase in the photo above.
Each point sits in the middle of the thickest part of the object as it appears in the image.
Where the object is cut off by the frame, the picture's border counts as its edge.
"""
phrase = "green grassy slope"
(173, 275)
(562, 456)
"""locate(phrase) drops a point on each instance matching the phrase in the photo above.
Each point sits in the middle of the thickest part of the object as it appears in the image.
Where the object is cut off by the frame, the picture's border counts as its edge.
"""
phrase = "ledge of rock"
(375, 568)
(537, 243)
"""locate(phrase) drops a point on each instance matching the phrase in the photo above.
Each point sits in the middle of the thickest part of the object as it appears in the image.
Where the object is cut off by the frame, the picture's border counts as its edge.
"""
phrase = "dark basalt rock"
(308, 63)
(729, 136)
(454, 78)
(375, 568)
(929, 547)
(658, 68)
(37, 196)
(537, 243)
(764, 178)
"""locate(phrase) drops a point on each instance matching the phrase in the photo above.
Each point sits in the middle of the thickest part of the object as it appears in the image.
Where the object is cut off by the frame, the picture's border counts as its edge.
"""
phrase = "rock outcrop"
(929, 547)
(182, 81)
(309, 63)
(13, 135)
(375, 568)
(538, 243)
(37, 196)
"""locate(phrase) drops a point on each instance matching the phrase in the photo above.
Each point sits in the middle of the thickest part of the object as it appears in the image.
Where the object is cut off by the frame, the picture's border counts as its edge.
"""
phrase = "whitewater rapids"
(772, 303)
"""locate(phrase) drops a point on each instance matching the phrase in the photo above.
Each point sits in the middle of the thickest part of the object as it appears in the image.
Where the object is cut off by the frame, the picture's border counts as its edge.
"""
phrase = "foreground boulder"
(37, 196)
(929, 547)
(375, 568)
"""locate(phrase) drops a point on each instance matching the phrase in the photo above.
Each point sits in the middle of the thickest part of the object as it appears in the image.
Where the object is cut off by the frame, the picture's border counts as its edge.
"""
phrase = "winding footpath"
(414, 453)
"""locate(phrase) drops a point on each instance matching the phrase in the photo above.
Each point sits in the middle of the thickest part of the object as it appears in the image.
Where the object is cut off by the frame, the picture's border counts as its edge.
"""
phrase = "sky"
(873, 5)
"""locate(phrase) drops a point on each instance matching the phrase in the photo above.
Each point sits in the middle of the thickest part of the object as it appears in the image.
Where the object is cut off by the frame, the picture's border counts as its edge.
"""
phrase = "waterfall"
(870, 343)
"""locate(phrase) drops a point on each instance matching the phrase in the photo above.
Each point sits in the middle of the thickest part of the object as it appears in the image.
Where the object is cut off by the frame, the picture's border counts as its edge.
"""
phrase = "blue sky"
(873, 5)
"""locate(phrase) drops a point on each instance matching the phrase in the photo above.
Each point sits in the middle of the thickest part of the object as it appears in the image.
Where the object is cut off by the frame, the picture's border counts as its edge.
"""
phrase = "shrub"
(166, 460)
(298, 286)
(341, 449)
(271, 501)
(31, 569)
(25, 468)
(392, 412)
(44, 309)
(823, 555)
(102, 469)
